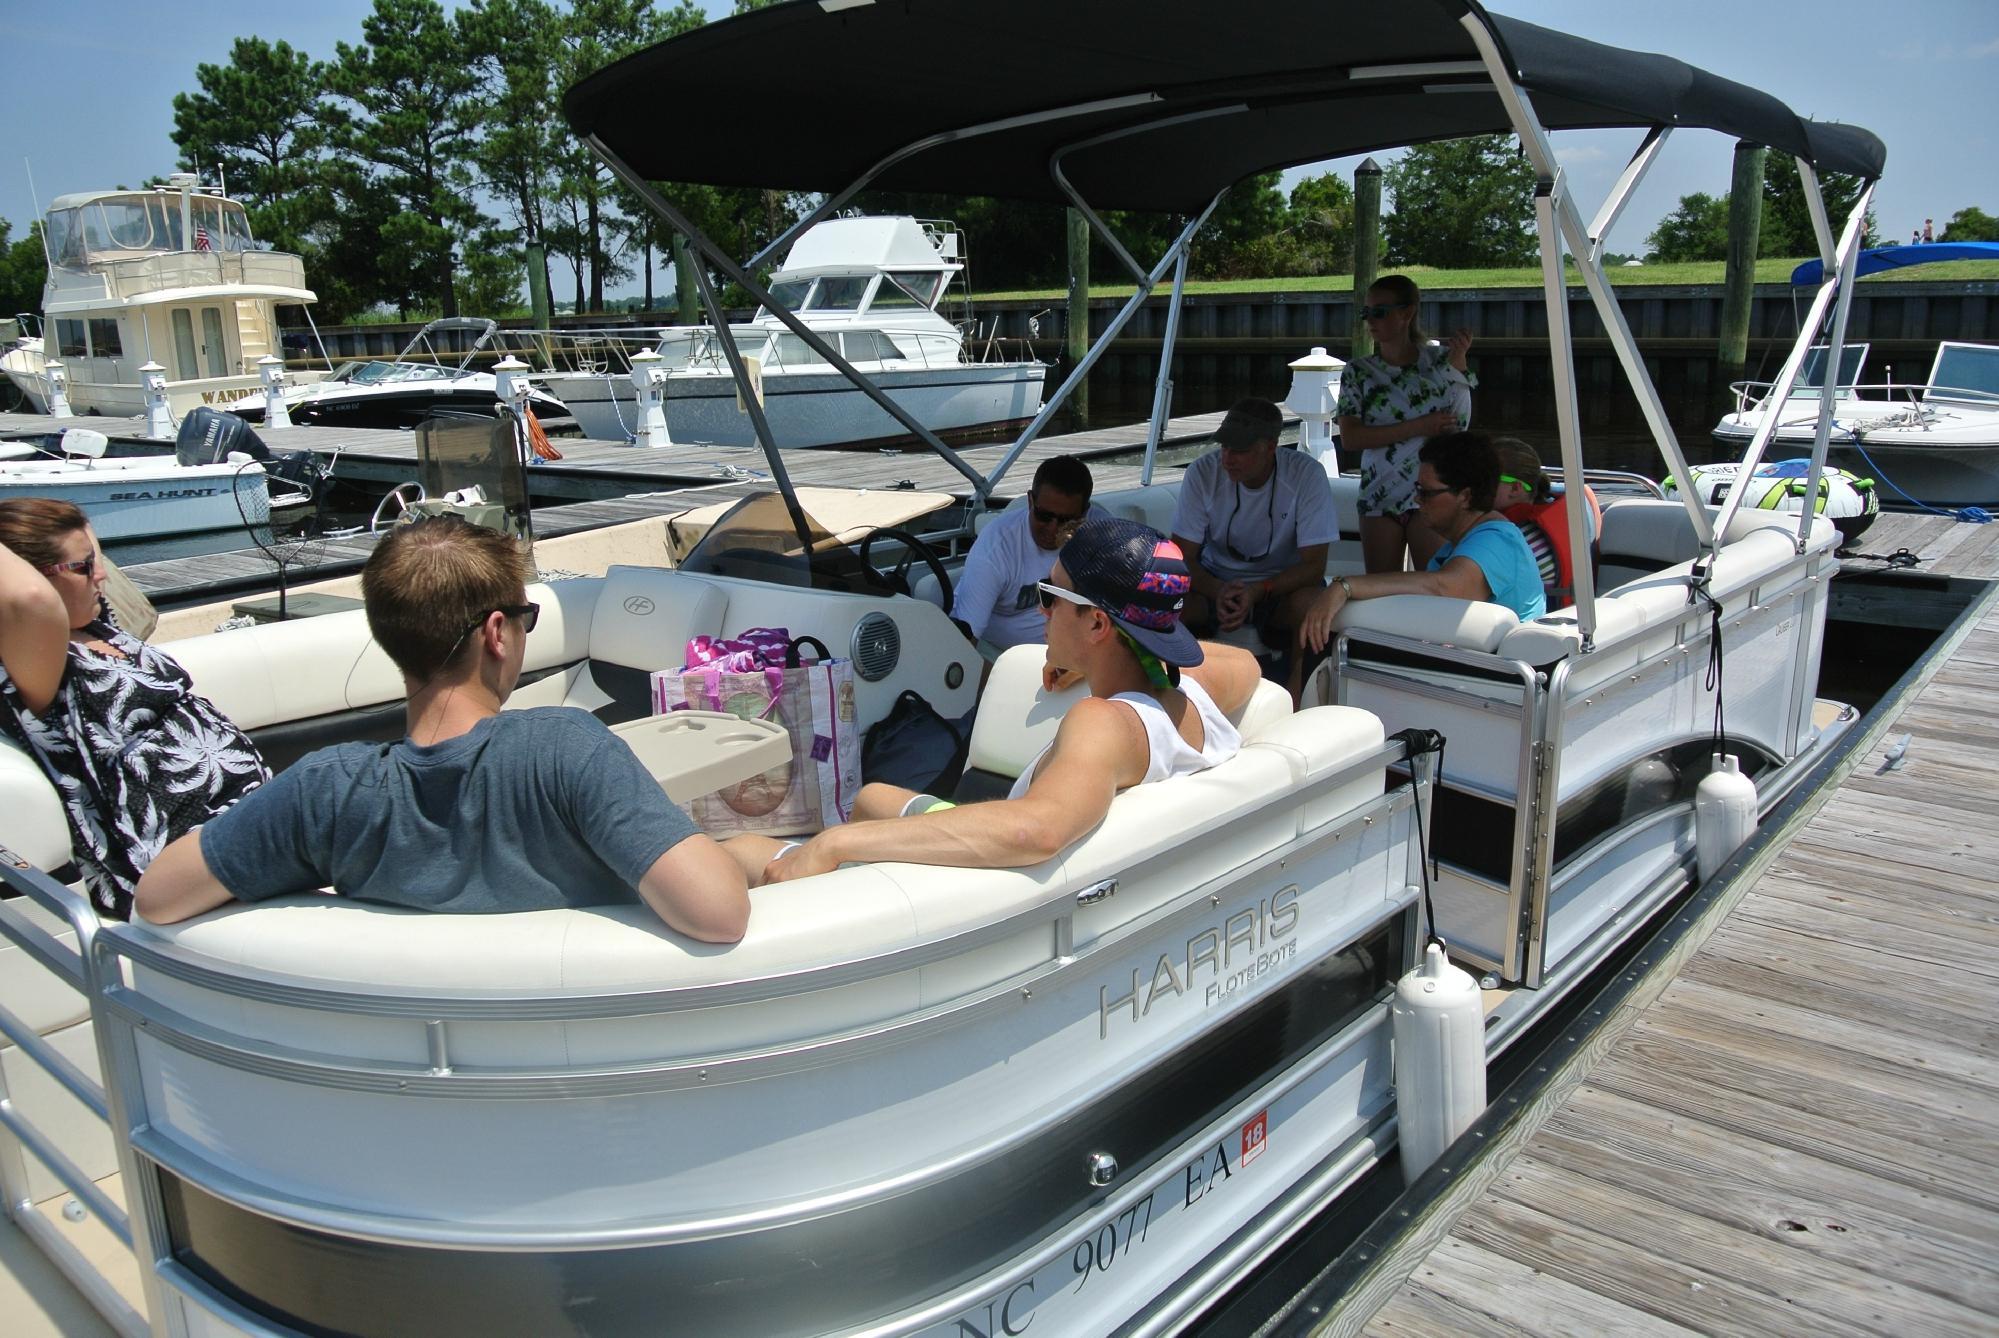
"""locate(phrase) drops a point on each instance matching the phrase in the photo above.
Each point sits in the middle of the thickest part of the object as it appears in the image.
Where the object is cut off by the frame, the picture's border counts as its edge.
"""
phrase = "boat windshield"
(839, 292)
(375, 373)
(1965, 372)
(757, 541)
(145, 224)
(907, 290)
(790, 293)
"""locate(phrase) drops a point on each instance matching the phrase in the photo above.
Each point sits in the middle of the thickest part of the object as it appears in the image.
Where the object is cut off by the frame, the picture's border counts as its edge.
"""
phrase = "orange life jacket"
(1553, 520)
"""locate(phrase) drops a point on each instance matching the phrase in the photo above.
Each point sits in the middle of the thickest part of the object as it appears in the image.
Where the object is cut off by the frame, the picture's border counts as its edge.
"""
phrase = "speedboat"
(869, 286)
(140, 497)
(1083, 1096)
(167, 278)
(418, 383)
(1932, 442)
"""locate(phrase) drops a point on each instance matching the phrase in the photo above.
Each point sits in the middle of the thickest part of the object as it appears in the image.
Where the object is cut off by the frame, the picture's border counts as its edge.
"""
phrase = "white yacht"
(169, 276)
(870, 287)
(1085, 1096)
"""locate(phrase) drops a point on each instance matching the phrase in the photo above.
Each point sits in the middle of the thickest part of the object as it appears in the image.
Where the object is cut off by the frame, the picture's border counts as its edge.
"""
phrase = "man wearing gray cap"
(1255, 523)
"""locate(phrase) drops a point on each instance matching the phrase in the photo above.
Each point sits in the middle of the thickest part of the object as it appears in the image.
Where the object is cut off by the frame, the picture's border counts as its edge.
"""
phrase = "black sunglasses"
(529, 614)
(1427, 493)
(1380, 309)
(1044, 516)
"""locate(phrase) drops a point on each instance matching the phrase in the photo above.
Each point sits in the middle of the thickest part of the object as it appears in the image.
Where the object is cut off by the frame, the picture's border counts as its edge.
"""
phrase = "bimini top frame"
(1162, 105)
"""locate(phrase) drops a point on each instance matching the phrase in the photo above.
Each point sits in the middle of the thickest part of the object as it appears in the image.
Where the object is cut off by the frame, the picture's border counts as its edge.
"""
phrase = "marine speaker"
(876, 647)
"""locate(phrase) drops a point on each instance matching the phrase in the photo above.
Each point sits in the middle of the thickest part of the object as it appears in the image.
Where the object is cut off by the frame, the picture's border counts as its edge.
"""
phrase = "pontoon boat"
(1080, 1097)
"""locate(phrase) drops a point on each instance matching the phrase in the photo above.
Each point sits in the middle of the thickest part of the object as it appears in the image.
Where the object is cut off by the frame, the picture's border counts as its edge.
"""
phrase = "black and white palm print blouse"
(138, 756)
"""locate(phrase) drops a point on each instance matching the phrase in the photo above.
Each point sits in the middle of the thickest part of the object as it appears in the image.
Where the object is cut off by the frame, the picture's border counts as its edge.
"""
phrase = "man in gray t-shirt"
(476, 809)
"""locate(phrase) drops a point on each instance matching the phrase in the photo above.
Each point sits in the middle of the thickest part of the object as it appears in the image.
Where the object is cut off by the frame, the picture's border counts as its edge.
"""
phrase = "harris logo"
(638, 606)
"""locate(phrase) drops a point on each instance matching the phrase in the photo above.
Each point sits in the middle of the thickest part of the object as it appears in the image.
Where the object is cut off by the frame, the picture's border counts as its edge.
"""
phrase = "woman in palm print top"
(136, 754)
(1391, 402)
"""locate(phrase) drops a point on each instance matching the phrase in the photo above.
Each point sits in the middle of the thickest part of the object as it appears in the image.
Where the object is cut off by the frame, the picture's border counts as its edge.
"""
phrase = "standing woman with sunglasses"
(137, 755)
(1391, 401)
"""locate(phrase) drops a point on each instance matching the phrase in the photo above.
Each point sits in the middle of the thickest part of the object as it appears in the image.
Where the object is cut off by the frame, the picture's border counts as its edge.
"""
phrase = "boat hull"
(1943, 457)
(808, 409)
(143, 497)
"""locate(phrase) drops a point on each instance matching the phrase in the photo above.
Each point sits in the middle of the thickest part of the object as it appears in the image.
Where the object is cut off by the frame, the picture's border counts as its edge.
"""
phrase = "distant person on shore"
(1529, 500)
(137, 756)
(477, 809)
(1254, 524)
(997, 600)
(1159, 706)
(1483, 556)
(1929, 232)
(1391, 401)
(1916, 237)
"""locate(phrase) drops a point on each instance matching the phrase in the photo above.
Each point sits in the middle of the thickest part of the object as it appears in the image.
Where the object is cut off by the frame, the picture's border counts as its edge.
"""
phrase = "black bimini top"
(1164, 103)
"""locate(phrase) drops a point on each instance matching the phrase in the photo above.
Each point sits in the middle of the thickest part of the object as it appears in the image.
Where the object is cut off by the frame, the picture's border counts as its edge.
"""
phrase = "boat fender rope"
(1418, 742)
(1714, 681)
(538, 439)
(1968, 515)
(1901, 557)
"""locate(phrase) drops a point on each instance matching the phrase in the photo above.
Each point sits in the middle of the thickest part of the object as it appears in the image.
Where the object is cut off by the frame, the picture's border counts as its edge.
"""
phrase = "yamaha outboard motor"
(208, 435)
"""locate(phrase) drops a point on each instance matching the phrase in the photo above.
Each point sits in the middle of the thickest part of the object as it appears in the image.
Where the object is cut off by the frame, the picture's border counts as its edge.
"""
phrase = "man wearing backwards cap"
(1112, 606)
(1255, 523)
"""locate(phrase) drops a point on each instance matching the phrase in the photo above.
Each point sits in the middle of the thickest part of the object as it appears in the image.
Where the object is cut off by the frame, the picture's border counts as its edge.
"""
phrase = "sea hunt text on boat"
(1255, 929)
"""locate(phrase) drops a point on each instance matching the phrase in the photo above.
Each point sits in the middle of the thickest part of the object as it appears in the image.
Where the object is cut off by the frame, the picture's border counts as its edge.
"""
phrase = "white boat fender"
(1439, 1026)
(1724, 814)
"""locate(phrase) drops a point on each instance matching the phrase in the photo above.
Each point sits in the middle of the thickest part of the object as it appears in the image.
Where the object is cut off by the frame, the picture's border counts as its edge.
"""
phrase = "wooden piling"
(686, 298)
(538, 301)
(1076, 332)
(1745, 220)
(1366, 248)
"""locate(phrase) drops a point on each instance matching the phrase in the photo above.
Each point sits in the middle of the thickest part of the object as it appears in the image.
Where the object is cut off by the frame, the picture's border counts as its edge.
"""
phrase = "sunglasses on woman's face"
(1051, 593)
(1380, 309)
(83, 566)
(1427, 493)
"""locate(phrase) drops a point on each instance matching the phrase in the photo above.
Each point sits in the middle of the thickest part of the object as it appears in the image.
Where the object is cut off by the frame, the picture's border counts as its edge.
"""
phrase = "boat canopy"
(1876, 260)
(1145, 105)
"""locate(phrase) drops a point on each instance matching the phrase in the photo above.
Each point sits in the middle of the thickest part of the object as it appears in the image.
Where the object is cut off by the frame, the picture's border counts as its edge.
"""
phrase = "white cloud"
(1983, 49)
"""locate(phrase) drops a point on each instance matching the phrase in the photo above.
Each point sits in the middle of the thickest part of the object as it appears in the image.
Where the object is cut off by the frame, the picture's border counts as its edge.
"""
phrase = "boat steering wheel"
(896, 577)
(395, 504)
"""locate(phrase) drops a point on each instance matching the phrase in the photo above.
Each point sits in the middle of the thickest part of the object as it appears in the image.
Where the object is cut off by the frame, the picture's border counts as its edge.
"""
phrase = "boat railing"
(608, 352)
(122, 279)
(1753, 395)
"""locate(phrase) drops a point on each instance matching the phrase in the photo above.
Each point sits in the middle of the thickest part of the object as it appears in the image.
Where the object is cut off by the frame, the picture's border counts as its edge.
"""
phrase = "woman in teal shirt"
(1483, 556)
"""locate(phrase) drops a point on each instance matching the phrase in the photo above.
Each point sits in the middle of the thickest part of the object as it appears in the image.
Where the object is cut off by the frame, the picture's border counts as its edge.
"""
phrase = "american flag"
(201, 238)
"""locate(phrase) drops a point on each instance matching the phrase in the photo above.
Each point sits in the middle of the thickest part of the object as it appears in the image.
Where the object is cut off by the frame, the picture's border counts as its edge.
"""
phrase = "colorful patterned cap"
(1139, 577)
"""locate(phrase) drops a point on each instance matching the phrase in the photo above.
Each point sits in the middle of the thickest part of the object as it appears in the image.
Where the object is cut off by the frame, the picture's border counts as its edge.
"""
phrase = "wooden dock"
(603, 483)
(591, 470)
(1793, 1125)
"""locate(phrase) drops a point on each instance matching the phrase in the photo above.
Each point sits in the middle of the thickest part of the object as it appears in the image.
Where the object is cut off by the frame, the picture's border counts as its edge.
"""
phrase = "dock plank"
(1451, 1299)
(1853, 1290)
(1800, 1131)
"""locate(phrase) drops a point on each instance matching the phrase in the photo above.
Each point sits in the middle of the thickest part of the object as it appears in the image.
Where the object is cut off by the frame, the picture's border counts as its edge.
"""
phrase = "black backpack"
(914, 747)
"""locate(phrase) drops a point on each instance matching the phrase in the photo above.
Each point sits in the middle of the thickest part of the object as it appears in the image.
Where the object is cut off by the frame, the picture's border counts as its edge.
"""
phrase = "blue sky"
(91, 87)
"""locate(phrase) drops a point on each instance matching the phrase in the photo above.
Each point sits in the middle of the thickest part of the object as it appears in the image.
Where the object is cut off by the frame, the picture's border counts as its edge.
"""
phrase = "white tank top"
(1170, 754)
